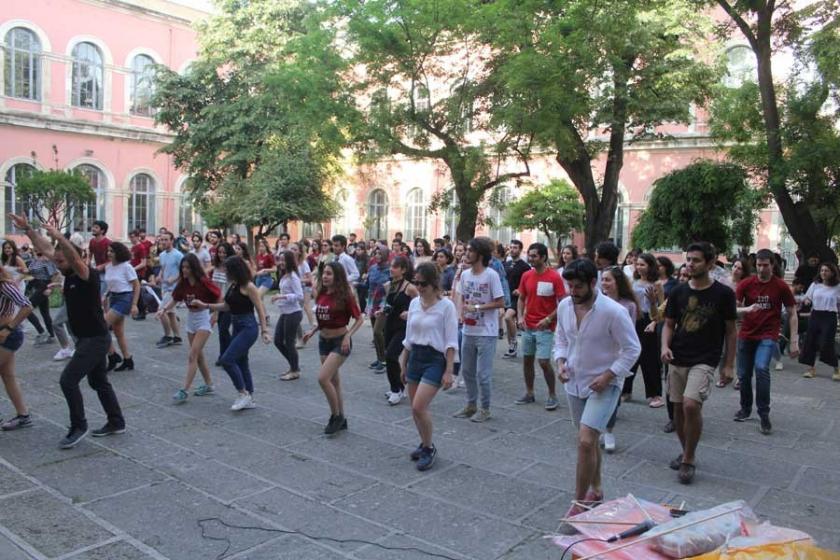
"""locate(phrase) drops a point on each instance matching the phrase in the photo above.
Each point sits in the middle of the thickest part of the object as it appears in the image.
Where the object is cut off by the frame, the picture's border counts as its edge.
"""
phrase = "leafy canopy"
(553, 209)
(54, 196)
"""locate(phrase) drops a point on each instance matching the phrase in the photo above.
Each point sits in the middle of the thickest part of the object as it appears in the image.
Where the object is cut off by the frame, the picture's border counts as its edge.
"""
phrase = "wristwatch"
(476, 307)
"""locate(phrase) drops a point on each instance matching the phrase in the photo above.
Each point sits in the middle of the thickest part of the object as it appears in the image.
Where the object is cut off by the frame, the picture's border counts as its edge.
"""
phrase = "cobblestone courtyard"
(495, 491)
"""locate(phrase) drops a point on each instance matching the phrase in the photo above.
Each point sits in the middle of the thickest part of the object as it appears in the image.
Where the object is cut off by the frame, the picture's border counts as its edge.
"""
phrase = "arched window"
(415, 215)
(22, 66)
(498, 213)
(450, 219)
(422, 99)
(187, 217)
(312, 229)
(341, 223)
(13, 204)
(462, 103)
(142, 85)
(84, 217)
(141, 203)
(88, 76)
(377, 215)
(617, 231)
(740, 66)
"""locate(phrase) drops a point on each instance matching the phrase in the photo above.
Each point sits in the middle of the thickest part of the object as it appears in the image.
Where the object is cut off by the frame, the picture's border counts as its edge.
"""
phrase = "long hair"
(574, 251)
(342, 293)
(835, 274)
(217, 260)
(430, 273)
(623, 287)
(237, 270)
(10, 260)
(195, 268)
(246, 253)
(653, 269)
(290, 264)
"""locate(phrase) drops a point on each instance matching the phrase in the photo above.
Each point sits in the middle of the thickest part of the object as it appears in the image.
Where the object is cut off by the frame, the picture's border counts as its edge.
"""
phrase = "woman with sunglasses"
(399, 293)
(428, 356)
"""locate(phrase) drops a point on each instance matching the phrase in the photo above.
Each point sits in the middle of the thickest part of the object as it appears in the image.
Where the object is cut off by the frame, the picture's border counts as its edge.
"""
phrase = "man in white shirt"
(595, 345)
(482, 297)
(339, 243)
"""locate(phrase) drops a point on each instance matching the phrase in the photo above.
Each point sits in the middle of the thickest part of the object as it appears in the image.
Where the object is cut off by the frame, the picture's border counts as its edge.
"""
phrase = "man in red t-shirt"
(540, 289)
(761, 299)
(98, 251)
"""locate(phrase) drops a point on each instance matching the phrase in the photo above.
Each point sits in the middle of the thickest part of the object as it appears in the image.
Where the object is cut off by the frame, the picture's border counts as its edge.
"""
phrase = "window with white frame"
(142, 85)
(341, 223)
(187, 217)
(141, 203)
(84, 217)
(617, 231)
(377, 215)
(415, 215)
(463, 104)
(13, 203)
(88, 77)
(497, 214)
(312, 229)
(450, 218)
(740, 66)
(22, 64)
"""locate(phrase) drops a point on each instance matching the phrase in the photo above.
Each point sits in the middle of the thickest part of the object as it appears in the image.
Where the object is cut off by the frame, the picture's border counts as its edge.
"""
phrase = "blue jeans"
(477, 355)
(755, 355)
(223, 322)
(235, 358)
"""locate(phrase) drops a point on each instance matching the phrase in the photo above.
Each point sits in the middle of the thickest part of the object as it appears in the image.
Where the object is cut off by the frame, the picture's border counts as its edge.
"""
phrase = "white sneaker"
(609, 442)
(779, 366)
(396, 398)
(64, 354)
(388, 394)
(242, 401)
(461, 383)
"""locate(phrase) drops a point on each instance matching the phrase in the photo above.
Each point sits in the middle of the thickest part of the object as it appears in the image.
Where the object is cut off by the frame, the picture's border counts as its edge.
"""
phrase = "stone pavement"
(495, 491)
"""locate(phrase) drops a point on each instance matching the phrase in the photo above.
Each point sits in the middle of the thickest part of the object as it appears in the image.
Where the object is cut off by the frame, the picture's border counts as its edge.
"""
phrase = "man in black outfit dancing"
(87, 323)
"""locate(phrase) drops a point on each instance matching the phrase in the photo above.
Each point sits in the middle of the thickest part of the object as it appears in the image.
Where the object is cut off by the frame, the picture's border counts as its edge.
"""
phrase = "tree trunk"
(798, 218)
(468, 215)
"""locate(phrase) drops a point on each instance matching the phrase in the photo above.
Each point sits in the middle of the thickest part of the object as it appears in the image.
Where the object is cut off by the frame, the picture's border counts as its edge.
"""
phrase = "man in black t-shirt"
(699, 316)
(515, 267)
(87, 322)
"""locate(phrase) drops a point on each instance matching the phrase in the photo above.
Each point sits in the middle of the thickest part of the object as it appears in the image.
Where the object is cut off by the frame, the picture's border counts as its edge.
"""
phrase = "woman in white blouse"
(824, 297)
(123, 294)
(428, 356)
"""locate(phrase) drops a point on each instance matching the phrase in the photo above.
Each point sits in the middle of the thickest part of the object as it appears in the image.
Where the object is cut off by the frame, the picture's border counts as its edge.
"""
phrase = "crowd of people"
(437, 312)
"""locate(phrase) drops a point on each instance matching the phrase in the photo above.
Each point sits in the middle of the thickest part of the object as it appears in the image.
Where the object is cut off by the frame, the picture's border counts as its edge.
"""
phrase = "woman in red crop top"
(194, 284)
(335, 305)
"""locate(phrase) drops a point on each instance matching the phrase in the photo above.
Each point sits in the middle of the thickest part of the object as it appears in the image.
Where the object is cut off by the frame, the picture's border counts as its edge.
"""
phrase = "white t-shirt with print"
(480, 289)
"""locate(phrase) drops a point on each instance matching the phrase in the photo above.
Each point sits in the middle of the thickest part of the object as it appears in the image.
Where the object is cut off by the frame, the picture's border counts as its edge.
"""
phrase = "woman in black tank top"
(399, 292)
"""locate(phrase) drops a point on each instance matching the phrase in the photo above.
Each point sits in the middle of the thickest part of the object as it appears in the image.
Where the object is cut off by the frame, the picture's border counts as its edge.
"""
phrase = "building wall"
(120, 144)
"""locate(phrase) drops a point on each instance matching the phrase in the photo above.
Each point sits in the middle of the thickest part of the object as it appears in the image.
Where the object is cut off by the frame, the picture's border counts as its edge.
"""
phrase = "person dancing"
(194, 285)
(336, 304)
(14, 308)
(288, 300)
(218, 275)
(123, 295)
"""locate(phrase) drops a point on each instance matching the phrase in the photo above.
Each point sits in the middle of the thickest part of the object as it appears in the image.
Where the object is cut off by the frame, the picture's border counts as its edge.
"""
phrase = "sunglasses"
(422, 283)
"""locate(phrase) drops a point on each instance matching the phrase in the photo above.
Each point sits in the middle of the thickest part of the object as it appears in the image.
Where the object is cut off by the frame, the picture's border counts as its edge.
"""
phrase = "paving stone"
(315, 519)
(114, 551)
(93, 476)
(418, 515)
(166, 516)
(10, 551)
(48, 524)
(781, 506)
(404, 548)
(290, 548)
(11, 482)
(209, 475)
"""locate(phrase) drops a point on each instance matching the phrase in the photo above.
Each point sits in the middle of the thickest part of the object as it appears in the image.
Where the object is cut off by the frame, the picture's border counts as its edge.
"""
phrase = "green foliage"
(583, 76)
(257, 151)
(54, 196)
(706, 201)
(424, 89)
(554, 209)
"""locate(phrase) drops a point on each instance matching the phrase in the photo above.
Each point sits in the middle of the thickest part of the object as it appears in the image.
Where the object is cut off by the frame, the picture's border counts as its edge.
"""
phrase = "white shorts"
(198, 321)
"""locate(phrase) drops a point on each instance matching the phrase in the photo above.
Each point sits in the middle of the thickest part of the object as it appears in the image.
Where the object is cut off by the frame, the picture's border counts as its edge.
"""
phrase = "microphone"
(637, 530)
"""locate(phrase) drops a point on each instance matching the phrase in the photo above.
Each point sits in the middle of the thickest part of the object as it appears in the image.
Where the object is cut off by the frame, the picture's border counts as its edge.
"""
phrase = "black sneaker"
(417, 453)
(164, 342)
(74, 436)
(107, 430)
(177, 340)
(113, 360)
(741, 415)
(19, 421)
(427, 459)
(333, 425)
(766, 426)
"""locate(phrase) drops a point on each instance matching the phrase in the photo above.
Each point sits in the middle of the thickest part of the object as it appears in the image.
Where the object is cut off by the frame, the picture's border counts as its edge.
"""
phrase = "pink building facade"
(76, 82)
(76, 79)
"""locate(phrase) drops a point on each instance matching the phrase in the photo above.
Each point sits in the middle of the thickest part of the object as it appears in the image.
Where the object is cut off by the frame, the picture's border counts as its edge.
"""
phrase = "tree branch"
(740, 22)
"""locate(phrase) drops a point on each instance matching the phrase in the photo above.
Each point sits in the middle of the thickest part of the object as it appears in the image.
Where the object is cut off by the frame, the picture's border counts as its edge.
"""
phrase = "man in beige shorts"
(699, 316)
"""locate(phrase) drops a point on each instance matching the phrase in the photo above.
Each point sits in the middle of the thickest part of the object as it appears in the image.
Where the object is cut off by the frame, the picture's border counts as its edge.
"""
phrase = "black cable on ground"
(568, 548)
(226, 540)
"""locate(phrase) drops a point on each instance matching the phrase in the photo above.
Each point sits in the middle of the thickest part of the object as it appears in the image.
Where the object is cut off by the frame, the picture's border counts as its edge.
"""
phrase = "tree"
(254, 152)
(554, 210)
(585, 76)
(706, 201)
(786, 130)
(424, 91)
(54, 196)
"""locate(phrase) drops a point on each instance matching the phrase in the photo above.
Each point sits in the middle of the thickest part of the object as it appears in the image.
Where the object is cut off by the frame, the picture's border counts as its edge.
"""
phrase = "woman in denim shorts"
(14, 307)
(335, 306)
(428, 356)
(123, 294)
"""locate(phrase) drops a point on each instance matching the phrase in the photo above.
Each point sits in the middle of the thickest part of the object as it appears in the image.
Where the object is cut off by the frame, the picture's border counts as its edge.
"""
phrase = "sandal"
(290, 376)
(737, 385)
(675, 464)
(686, 473)
(723, 383)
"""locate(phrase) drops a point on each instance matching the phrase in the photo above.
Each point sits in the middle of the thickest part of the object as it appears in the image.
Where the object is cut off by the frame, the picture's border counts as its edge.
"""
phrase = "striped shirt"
(42, 269)
(11, 298)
